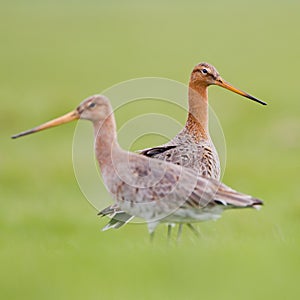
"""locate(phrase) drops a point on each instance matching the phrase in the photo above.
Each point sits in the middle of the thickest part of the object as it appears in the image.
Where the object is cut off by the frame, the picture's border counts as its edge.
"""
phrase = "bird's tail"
(233, 199)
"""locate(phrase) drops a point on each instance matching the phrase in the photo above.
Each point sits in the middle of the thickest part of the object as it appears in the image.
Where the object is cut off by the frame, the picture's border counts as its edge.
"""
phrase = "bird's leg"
(151, 229)
(179, 232)
(169, 231)
(195, 231)
(151, 236)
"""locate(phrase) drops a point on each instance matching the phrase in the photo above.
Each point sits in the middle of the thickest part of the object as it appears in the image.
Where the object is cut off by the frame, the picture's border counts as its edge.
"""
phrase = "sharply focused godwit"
(154, 190)
(192, 147)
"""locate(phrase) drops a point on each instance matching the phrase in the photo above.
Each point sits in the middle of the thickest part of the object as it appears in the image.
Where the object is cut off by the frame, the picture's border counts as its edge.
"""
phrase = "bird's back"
(188, 151)
(199, 155)
(161, 191)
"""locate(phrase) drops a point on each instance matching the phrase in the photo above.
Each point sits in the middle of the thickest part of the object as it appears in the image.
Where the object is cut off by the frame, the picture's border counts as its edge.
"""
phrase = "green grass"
(55, 54)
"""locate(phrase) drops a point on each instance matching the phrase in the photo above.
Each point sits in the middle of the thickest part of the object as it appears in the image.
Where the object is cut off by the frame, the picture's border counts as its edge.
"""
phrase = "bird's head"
(95, 108)
(204, 75)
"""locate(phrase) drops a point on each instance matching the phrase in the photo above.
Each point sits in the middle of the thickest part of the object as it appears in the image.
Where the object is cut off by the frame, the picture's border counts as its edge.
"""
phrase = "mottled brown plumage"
(192, 147)
(152, 189)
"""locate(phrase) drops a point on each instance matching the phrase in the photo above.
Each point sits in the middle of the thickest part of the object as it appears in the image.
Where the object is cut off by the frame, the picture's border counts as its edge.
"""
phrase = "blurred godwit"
(192, 147)
(154, 190)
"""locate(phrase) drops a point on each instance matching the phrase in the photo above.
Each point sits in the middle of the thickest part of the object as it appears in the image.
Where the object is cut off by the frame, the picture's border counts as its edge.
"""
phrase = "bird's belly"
(190, 215)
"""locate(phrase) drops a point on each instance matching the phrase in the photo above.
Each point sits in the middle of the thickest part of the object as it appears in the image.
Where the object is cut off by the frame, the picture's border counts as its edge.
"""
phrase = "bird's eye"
(92, 105)
(204, 71)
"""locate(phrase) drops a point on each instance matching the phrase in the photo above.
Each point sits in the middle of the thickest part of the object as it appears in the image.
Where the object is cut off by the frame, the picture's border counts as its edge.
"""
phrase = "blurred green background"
(56, 53)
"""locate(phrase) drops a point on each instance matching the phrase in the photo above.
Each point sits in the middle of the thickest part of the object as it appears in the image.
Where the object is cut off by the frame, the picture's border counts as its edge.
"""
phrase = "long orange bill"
(74, 115)
(228, 86)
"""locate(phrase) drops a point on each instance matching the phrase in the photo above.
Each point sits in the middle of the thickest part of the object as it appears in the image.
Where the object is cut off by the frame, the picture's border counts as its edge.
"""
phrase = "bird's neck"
(197, 123)
(106, 143)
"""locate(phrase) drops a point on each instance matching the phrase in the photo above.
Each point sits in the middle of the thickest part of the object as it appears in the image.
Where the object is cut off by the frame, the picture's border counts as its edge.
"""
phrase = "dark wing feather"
(150, 152)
